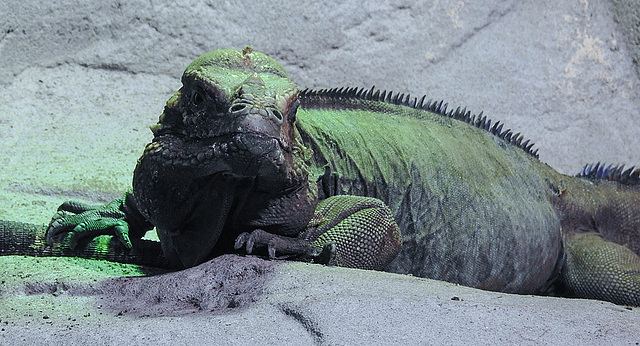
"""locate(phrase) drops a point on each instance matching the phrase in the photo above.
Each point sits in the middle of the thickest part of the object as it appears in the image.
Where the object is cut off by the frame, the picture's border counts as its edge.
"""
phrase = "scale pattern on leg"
(599, 269)
(362, 229)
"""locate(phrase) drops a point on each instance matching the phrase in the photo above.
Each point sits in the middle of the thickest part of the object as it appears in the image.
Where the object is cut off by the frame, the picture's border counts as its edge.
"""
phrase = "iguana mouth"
(182, 167)
(239, 153)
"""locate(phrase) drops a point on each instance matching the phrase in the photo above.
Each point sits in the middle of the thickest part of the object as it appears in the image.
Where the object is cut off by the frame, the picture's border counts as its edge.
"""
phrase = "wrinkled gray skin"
(221, 161)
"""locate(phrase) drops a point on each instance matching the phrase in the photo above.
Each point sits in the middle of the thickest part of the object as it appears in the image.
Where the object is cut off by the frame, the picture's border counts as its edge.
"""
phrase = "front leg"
(347, 231)
(77, 222)
(286, 247)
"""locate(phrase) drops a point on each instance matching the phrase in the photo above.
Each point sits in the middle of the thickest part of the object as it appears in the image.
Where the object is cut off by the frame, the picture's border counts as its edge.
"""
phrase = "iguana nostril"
(238, 108)
(276, 115)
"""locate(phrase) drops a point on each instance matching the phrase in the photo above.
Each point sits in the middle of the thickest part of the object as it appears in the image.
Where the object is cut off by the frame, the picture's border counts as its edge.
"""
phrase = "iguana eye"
(197, 98)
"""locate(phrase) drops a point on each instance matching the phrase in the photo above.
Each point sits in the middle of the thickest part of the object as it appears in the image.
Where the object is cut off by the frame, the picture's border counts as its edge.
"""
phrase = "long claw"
(271, 249)
(241, 240)
(328, 254)
(250, 242)
(76, 235)
(122, 232)
(278, 245)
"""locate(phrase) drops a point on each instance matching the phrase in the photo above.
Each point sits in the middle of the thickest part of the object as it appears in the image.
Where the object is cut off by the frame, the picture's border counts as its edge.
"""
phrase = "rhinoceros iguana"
(241, 158)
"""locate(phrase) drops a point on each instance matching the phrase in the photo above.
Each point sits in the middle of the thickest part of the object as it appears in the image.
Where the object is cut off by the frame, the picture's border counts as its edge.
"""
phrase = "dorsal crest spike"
(505, 133)
(397, 98)
(389, 97)
(471, 120)
(421, 103)
(460, 113)
(494, 128)
(406, 101)
(626, 174)
(519, 140)
(370, 93)
(412, 102)
(437, 107)
(428, 105)
(480, 120)
(528, 148)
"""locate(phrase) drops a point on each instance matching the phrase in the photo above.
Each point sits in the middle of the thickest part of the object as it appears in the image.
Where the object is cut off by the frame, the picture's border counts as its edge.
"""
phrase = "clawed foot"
(76, 221)
(282, 247)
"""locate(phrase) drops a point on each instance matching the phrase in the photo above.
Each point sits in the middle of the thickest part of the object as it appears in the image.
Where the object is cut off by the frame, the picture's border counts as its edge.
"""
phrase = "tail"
(17, 238)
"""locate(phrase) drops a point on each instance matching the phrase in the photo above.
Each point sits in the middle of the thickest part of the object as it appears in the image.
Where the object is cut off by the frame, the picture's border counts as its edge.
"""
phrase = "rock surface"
(236, 300)
(82, 81)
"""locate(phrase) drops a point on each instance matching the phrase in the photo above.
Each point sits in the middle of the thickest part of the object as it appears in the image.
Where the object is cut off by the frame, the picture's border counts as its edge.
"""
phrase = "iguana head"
(228, 96)
(226, 146)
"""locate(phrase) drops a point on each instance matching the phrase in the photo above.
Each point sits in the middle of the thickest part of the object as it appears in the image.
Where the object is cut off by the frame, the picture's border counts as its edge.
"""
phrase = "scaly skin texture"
(225, 159)
(28, 239)
(240, 159)
(600, 223)
(472, 208)
(226, 169)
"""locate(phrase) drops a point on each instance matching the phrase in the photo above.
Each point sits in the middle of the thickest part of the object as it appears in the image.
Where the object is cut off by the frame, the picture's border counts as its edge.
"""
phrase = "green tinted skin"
(474, 209)
(471, 210)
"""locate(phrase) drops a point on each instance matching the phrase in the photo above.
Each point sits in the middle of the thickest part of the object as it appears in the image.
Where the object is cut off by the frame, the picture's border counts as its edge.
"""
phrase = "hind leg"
(599, 269)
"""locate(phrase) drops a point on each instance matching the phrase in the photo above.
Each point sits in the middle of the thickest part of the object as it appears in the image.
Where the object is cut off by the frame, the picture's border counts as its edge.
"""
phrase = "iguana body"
(241, 157)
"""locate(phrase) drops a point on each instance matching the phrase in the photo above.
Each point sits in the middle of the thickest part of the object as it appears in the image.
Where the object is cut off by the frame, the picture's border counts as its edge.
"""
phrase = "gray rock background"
(81, 81)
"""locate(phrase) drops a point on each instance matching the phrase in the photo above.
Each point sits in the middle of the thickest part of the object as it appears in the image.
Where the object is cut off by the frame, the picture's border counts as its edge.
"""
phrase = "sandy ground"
(237, 300)
(81, 83)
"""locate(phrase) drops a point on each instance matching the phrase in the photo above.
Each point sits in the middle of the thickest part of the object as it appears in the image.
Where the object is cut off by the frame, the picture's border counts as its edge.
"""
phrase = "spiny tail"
(17, 238)
(598, 171)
